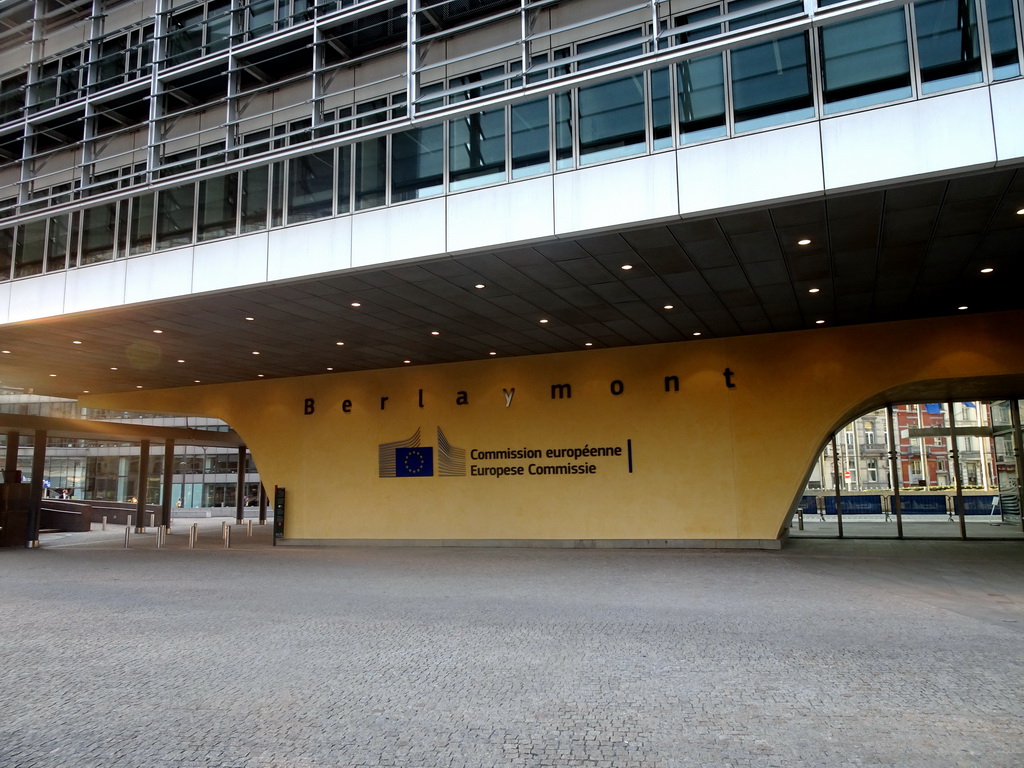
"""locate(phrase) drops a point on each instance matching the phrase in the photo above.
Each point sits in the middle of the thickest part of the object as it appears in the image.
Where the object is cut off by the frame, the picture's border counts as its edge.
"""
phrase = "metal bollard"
(152, 519)
(800, 518)
(227, 537)
(104, 523)
(159, 537)
(249, 525)
(127, 536)
(224, 530)
(193, 535)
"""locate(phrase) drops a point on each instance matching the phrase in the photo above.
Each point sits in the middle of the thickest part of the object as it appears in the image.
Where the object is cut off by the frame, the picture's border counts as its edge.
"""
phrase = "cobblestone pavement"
(828, 653)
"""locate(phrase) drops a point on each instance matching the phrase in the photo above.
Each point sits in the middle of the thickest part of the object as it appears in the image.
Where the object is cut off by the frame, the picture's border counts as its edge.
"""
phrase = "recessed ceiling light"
(181, 361)
(5, 351)
(696, 333)
(805, 241)
(85, 391)
(813, 290)
(259, 375)
(138, 386)
(627, 267)
(543, 321)
(196, 381)
(330, 369)
(255, 353)
(479, 285)
(113, 369)
(356, 304)
(1020, 212)
(669, 306)
(962, 308)
(492, 353)
(986, 270)
(76, 342)
(435, 333)
(157, 330)
(589, 344)
(53, 375)
(339, 343)
(819, 322)
(407, 361)
(250, 318)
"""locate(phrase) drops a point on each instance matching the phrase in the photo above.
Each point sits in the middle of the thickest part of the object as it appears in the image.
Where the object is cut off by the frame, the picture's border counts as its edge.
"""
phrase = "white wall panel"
(5, 302)
(41, 296)
(309, 249)
(95, 287)
(229, 263)
(605, 196)
(918, 138)
(1008, 119)
(159, 275)
(403, 232)
(512, 213)
(770, 166)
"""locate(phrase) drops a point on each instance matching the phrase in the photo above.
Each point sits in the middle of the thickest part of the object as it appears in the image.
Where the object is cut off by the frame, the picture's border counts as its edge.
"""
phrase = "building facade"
(223, 201)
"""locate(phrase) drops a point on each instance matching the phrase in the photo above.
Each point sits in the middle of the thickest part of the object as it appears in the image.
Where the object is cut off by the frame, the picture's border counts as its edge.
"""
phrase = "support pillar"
(141, 487)
(240, 485)
(165, 501)
(263, 504)
(954, 461)
(11, 457)
(36, 488)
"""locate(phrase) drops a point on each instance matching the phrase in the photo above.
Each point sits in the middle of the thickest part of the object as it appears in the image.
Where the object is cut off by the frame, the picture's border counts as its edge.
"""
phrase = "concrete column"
(140, 485)
(240, 485)
(263, 504)
(168, 495)
(11, 458)
(36, 488)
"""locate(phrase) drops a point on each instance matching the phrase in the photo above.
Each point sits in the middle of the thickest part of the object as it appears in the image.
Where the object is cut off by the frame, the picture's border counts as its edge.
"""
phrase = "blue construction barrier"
(855, 505)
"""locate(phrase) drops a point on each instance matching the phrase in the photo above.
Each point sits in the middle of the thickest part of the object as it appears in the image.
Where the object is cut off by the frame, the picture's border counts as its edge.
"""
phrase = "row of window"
(860, 62)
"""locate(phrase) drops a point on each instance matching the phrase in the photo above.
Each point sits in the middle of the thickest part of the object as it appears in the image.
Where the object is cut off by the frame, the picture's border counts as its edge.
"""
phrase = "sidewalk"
(827, 654)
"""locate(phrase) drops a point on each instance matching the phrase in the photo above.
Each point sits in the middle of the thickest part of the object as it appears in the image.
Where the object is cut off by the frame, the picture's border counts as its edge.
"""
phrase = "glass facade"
(402, 149)
(931, 470)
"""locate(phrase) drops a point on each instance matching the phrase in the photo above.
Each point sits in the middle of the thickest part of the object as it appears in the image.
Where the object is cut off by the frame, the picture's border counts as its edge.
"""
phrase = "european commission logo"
(410, 458)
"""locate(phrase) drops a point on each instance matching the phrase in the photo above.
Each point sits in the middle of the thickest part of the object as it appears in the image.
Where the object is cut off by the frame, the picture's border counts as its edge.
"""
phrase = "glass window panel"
(865, 61)
(28, 258)
(174, 216)
(531, 138)
(255, 196)
(218, 203)
(344, 179)
(771, 83)
(141, 235)
(609, 49)
(417, 158)
(701, 84)
(371, 173)
(612, 120)
(261, 17)
(277, 195)
(1002, 34)
(98, 227)
(947, 43)
(310, 187)
(6, 253)
(760, 17)
(477, 149)
(57, 243)
(563, 130)
(661, 108)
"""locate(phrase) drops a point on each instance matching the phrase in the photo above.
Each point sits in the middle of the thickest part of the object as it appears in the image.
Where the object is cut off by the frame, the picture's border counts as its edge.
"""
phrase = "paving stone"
(823, 654)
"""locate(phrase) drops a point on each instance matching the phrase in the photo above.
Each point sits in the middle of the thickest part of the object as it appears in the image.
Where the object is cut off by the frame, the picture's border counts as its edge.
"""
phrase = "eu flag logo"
(414, 462)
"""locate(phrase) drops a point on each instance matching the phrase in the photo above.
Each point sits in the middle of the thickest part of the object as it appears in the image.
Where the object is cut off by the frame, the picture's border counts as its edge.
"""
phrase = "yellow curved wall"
(709, 462)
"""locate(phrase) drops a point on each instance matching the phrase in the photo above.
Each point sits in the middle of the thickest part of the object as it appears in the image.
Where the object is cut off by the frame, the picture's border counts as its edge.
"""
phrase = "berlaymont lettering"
(558, 392)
